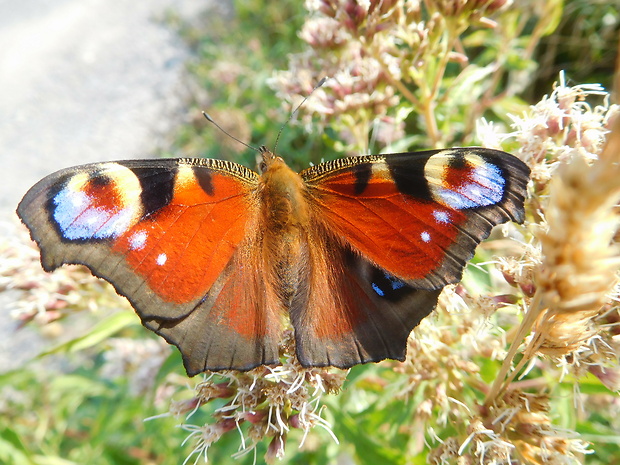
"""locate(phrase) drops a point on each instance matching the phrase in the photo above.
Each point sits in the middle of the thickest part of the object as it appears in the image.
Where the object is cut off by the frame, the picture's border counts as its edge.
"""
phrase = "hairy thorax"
(286, 221)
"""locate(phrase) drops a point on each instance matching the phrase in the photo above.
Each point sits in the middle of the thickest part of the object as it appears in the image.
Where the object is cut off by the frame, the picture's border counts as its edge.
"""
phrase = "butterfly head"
(269, 160)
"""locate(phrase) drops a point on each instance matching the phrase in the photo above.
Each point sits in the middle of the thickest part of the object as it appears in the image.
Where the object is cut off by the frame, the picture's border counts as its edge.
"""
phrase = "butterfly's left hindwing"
(166, 234)
(350, 311)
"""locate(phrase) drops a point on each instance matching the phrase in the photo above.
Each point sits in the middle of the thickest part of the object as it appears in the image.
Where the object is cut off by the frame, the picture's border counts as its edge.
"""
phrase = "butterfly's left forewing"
(419, 215)
(397, 229)
(173, 236)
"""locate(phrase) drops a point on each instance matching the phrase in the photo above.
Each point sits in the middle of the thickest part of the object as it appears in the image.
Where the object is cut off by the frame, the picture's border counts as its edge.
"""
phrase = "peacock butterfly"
(217, 259)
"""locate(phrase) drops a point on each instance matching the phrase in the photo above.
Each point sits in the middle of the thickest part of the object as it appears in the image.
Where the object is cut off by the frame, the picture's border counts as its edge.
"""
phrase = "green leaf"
(48, 460)
(552, 14)
(588, 384)
(468, 86)
(102, 330)
(12, 449)
(367, 449)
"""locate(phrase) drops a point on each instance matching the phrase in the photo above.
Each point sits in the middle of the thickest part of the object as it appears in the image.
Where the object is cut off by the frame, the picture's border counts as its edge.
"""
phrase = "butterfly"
(218, 259)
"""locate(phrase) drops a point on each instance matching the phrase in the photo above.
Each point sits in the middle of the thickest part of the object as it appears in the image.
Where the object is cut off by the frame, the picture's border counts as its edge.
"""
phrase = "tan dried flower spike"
(574, 276)
(581, 258)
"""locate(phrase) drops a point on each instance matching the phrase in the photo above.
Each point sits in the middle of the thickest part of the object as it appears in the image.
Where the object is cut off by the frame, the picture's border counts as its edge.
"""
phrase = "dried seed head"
(580, 258)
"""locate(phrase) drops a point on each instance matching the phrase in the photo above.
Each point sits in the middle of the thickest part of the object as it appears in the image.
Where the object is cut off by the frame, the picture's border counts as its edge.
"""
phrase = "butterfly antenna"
(210, 120)
(294, 112)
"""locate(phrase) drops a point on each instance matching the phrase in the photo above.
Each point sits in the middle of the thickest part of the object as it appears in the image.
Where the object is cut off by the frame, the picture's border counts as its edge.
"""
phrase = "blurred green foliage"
(233, 61)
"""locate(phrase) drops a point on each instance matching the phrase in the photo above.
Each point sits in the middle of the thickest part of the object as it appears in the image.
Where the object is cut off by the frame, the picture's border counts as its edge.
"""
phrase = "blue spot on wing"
(78, 220)
(486, 189)
(378, 290)
(386, 285)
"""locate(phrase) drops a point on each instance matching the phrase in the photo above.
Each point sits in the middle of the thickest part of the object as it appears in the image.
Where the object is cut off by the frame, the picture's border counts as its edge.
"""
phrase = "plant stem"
(504, 378)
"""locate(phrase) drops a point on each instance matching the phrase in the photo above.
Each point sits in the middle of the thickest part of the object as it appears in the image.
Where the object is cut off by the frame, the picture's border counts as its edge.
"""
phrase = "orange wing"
(176, 238)
(420, 215)
(350, 311)
(389, 233)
